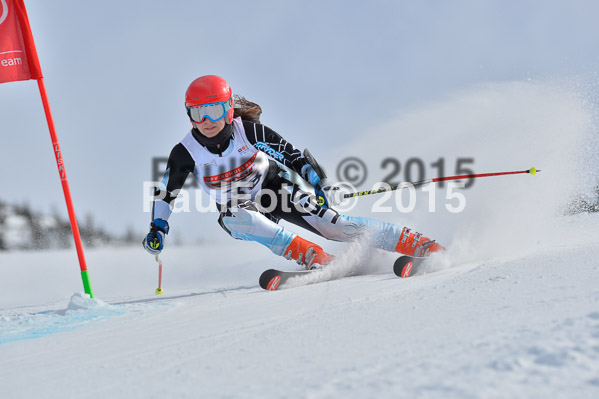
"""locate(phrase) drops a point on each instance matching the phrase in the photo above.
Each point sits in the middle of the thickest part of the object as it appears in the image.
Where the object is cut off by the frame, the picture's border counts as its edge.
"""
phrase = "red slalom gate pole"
(65, 188)
(531, 171)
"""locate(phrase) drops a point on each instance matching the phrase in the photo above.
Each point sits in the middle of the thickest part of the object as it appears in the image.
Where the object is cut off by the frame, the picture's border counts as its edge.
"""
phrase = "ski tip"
(405, 265)
(407, 270)
(273, 284)
(533, 171)
(266, 278)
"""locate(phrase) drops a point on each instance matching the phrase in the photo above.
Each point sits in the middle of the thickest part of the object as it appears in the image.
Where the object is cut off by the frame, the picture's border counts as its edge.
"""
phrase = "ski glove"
(154, 241)
(327, 195)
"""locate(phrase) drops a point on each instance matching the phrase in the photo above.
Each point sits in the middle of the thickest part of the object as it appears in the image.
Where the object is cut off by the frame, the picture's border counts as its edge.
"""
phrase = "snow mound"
(81, 301)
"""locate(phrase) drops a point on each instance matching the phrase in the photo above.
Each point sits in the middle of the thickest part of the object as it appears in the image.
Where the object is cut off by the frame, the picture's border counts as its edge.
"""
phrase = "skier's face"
(209, 128)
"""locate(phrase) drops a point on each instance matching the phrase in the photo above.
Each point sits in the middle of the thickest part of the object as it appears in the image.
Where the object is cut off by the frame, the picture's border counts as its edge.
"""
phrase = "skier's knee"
(338, 227)
(240, 221)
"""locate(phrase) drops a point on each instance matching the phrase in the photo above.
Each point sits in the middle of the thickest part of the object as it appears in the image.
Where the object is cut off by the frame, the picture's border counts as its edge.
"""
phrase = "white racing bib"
(241, 169)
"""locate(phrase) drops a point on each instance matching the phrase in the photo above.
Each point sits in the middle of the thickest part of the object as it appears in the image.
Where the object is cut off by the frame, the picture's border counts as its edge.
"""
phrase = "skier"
(236, 159)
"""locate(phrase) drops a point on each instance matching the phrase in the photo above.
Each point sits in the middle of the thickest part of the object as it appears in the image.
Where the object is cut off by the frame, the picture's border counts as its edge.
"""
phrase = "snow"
(519, 327)
(512, 309)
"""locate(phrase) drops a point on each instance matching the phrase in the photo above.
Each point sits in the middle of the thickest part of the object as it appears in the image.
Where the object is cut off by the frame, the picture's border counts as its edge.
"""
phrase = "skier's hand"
(327, 195)
(154, 241)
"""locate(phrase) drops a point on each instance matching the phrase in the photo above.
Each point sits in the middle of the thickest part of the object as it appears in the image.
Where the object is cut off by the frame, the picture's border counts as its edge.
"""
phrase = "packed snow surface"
(510, 311)
(518, 327)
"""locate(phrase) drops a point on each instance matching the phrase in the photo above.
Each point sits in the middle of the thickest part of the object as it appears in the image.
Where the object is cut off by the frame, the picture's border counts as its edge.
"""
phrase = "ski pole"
(531, 171)
(159, 290)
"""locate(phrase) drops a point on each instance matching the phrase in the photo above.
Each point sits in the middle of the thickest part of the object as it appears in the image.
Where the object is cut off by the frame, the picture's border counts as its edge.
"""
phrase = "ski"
(406, 266)
(273, 279)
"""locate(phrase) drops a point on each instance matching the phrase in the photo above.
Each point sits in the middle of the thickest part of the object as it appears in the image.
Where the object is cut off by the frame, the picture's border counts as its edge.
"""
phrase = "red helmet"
(210, 89)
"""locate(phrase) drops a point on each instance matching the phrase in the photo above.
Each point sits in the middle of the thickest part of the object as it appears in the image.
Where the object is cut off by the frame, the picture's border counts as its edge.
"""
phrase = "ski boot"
(414, 244)
(307, 254)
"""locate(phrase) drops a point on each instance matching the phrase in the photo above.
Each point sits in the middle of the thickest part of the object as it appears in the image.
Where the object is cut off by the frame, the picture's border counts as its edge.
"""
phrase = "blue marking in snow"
(80, 312)
(21, 327)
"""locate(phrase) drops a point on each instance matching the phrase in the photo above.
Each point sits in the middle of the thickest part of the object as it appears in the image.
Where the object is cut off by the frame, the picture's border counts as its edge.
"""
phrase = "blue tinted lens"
(214, 112)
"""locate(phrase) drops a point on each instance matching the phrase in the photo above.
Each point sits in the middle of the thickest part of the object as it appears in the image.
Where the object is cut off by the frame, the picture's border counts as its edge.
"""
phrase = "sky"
(324, 72)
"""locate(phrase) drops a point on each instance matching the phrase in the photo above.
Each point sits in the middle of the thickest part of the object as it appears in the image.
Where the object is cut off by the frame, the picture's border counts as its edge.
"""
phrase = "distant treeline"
(21, 228)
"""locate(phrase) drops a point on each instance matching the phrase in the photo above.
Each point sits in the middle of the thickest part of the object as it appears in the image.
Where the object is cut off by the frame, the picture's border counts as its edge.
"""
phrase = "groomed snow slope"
(516, 316)
(519, 327)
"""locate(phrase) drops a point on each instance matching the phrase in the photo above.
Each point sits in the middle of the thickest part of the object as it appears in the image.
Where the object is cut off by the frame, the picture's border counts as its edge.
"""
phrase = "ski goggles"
(212, 111)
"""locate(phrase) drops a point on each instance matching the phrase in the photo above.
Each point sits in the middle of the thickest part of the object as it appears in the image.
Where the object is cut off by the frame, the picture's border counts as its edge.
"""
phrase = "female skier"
(257, 178)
